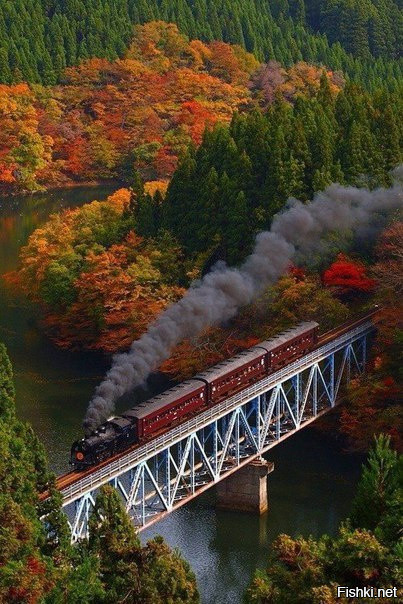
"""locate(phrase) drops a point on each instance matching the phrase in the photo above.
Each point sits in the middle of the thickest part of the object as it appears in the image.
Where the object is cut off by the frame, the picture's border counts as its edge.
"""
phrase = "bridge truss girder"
(172, 476)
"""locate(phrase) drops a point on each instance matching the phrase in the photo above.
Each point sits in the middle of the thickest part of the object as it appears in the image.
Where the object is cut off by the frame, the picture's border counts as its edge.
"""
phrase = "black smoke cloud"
(297, 233)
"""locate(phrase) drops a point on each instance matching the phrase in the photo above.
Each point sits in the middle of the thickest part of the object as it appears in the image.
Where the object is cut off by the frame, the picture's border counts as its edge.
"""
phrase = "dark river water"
(310, 489)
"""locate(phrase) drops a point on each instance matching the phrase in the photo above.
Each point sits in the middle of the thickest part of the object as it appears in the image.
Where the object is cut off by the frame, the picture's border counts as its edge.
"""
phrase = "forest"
(109, 119)
(365, 551)
(39, 565)
(39, 38)
(194, 130)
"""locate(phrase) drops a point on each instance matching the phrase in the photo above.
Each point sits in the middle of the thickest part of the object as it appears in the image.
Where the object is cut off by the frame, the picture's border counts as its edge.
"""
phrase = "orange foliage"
(108, 117)
(196, 118)
(304, 79)
(23, 151)
(375, 407)
(88, 127)
(152, 186)
(100, 289)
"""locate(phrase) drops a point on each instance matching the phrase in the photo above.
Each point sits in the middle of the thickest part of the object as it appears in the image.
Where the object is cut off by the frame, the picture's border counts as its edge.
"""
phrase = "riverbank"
(49, 189)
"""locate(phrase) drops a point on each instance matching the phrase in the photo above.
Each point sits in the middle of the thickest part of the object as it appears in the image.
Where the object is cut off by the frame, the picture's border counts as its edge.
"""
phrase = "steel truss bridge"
(160, 476)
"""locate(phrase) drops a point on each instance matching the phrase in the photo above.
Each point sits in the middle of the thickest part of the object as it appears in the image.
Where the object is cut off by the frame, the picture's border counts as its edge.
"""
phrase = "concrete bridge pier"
(246, 489)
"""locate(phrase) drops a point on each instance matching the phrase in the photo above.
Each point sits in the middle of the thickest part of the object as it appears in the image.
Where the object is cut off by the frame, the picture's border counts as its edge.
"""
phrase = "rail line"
(67, 480)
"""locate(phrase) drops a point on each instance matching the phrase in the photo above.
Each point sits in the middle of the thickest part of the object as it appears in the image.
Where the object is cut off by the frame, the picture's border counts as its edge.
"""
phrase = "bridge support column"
(246, 489)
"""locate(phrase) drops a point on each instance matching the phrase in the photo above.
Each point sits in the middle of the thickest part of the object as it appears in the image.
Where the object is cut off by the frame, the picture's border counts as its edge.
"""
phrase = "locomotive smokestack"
(296, 233)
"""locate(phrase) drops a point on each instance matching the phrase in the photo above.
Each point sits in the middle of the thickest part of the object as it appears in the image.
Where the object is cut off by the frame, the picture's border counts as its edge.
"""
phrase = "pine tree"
(7, 391)
(5, 72)
(129, 572)
(378, 485)
(179, 199)
(237, 235)
(145, 219)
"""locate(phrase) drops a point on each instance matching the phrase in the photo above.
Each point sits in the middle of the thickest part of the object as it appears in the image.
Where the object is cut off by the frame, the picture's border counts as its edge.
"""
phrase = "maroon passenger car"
(167, 408)
(208, 388)
(234, 374)
(290, 344)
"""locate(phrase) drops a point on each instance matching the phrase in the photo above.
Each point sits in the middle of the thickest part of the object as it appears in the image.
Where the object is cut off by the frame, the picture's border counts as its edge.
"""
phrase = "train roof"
(242, 358)
(119, 421)
(164, 399)
(287, 335)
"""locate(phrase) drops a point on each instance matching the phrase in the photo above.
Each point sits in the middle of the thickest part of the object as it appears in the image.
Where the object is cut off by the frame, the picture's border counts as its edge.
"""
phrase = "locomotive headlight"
(79, 456)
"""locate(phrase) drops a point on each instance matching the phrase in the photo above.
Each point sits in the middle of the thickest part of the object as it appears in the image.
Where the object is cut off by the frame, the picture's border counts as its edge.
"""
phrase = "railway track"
(65, 480)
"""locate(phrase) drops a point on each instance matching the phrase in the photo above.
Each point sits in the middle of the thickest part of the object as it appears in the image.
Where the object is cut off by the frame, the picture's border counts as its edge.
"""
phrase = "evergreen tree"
(129, 572)
(291, 150)
(7, 391)
(308, 570)
(237, 234)
(380, 480)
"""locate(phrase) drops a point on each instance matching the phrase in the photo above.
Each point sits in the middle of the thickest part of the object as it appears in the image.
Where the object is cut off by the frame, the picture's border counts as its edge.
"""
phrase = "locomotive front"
(112, 437)
(81, 456)
(94, 448)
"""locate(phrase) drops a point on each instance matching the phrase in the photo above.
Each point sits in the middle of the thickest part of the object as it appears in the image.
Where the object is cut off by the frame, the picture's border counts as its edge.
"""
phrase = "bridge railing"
(125, 462)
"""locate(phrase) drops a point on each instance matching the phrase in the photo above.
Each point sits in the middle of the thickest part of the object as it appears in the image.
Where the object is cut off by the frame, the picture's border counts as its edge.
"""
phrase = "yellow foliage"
(152, 186)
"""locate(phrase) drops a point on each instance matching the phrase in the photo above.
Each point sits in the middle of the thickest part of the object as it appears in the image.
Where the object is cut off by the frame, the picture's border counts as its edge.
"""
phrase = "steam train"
(148, 419)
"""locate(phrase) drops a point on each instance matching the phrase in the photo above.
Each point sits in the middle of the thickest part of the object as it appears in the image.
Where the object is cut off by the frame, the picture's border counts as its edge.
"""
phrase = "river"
(310, 490)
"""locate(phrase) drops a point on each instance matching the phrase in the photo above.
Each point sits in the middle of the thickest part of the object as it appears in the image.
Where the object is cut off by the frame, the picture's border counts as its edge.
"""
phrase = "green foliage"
(26, 572)
(233, 184)
(129, 572)
(57, 287)
(291, 301)
(360, 37)
(378, 485)
(7, 391)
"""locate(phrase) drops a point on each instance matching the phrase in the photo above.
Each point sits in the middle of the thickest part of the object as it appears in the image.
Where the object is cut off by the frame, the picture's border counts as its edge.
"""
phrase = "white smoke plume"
(297, 232)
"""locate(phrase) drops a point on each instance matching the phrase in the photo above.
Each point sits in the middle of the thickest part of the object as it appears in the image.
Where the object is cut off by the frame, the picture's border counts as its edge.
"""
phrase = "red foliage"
(211, 347)
(31, 585)
(196, 117)
(347, 276)
(297, 273)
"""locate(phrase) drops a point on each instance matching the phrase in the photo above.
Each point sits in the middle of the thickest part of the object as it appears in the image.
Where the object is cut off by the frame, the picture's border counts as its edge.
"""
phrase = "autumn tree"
(296, 297)
(375, 398)
(347, 277)
(361, 38)
(100, 284)
(24, 150)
